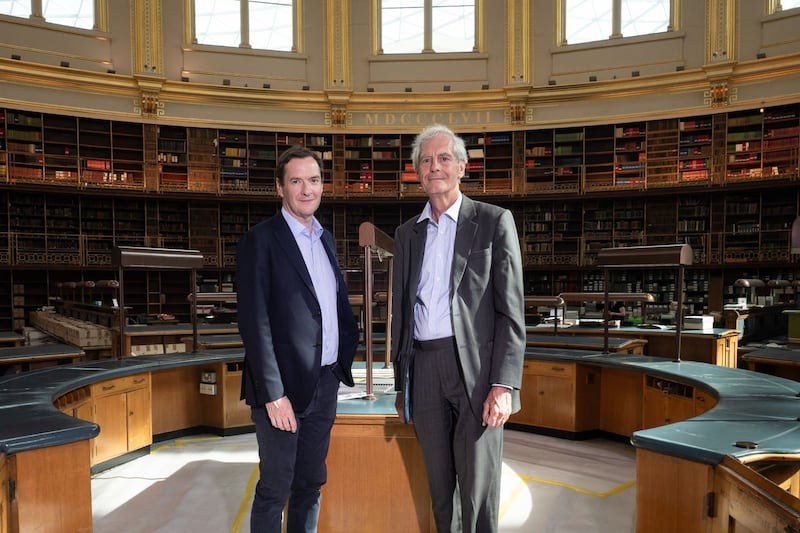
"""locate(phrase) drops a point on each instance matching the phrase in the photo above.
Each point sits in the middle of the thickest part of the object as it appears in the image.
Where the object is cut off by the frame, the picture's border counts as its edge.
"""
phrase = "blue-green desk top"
(751, 407)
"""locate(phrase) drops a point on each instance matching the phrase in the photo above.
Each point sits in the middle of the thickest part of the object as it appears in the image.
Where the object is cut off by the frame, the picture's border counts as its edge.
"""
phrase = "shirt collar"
(452, 211)
(297, 227)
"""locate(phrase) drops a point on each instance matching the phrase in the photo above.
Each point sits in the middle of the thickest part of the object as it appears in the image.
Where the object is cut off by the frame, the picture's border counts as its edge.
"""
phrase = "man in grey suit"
(458, 334)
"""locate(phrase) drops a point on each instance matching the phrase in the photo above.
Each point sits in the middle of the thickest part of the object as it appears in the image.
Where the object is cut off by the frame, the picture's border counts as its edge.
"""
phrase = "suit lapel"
(330, 250)
(287, 242)
(415, 252)
(466, 230)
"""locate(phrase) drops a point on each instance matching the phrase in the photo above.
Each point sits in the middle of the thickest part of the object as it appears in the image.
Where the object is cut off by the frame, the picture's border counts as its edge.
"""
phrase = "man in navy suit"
(458, 335)
(300, 336)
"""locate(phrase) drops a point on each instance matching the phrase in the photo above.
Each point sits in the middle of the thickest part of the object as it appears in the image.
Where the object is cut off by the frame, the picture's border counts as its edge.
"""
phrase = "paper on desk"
(350, 393)
(360, 391)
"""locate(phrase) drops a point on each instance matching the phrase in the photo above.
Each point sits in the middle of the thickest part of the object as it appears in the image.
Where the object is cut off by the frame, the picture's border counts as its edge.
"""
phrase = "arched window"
(266, 25)
(73, 13)
(414, 26)
(597, 20)
(782, 5)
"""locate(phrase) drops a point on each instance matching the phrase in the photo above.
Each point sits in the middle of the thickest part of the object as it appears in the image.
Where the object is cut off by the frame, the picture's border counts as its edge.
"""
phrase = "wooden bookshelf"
(743, 161)
(696, 145)
(173, 173)
(599, 158)
(723, 182)
(630, 155)
(539, 166)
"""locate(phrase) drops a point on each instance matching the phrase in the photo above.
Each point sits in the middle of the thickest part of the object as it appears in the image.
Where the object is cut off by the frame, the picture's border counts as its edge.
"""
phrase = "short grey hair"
(457, 145)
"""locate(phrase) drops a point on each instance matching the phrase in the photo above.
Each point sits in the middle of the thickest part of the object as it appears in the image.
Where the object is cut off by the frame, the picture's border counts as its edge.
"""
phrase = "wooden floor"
(205, 484)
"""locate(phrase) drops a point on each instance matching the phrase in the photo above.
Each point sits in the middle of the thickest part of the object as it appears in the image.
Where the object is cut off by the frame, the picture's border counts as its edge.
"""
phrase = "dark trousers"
(463, 459)
(292, 465)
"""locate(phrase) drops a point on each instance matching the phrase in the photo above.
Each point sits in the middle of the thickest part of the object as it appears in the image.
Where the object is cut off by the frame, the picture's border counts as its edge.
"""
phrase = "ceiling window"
(596, 20)
(73, 13)
(783, 5)
(414, 26)
(266, 25)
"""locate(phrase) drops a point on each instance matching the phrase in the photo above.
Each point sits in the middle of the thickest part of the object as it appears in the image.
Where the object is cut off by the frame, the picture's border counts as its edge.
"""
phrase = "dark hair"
(296, 151)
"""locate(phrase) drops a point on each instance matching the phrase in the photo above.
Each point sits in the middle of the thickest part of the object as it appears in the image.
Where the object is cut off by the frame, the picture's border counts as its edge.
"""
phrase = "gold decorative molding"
(148, 42)
(719, 94)
(337, 39)
(338, 117)
(149, 103)
(518, 42)
(189, 28)
(480, 27)
(720, 30)
(518, 112)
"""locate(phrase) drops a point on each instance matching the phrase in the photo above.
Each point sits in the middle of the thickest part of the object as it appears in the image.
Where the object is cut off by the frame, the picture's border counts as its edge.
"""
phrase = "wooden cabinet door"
(654, 408)
(555, 407)
(139, 421)
(237, 413)
(83, 411)
(703, 401)
(4, 501)
(110, 415)
(529, 398)
(547, 395)
(667, 403)
(620, 401)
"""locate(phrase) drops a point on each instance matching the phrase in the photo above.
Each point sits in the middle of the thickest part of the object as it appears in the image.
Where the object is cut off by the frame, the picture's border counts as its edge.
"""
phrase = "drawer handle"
(557, 368)
(109, 387)
(138, 380)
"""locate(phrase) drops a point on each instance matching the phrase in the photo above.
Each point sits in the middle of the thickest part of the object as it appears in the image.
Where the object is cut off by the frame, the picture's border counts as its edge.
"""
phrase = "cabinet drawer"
(115, 386)
(549, 368)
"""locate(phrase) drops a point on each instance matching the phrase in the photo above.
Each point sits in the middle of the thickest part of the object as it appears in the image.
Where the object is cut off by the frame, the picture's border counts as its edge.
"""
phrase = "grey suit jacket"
(487, 300)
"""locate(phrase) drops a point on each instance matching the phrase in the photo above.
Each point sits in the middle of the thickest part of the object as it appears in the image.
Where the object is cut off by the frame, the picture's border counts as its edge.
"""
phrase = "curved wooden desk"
(618, 345)
(716, 346)
(690, 459)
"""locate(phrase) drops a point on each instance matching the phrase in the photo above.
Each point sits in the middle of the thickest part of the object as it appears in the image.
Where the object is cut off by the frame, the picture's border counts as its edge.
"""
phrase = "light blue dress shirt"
(432, 319)
(324, 281)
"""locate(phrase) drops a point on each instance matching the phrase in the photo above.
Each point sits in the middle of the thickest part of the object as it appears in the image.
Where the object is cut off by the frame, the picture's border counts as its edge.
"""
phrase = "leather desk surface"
(751, 406)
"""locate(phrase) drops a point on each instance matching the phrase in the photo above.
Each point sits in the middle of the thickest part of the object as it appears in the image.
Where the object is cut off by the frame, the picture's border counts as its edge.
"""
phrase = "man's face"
(302, 188)
(439, 171)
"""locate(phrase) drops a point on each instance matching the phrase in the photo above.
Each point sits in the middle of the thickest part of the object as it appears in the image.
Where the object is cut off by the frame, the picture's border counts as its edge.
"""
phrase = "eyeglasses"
(442, 159)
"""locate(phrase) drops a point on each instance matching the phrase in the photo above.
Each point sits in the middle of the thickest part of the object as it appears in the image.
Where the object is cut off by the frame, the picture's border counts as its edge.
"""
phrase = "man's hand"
(399, 406)
(281, 414)
(497, 407)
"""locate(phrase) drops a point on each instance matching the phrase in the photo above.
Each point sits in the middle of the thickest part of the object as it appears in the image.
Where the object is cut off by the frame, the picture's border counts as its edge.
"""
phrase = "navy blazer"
(280, 318)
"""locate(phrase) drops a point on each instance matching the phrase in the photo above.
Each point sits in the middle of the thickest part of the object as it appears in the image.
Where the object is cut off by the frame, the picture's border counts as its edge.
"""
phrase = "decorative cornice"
(518, 102)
